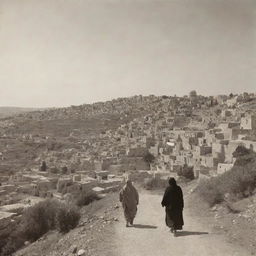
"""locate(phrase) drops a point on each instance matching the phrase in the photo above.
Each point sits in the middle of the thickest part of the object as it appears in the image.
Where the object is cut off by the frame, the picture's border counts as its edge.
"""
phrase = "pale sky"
(70, 52)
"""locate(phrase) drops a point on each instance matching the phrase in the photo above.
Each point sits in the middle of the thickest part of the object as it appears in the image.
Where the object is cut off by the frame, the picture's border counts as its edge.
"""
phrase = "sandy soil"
(150, 236)
(102, 232)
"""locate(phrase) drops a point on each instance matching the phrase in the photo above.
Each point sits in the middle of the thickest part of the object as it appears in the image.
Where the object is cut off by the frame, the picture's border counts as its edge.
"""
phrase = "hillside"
(10, 111)
(97, 129)
(73, 151)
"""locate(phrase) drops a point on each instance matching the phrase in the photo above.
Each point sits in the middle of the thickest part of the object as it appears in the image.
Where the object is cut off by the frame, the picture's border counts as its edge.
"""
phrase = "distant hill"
(10, 111)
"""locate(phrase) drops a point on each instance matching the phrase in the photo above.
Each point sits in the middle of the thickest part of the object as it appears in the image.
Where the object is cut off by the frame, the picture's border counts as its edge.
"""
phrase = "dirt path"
(150, 236)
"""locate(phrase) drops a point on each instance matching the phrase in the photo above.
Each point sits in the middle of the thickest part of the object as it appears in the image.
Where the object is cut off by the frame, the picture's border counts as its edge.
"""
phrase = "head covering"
(172, 182)
(126, 177)
(129, 182)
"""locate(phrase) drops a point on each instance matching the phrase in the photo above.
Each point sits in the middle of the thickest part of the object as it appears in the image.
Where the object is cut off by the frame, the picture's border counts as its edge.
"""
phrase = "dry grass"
(86, 198)
(155, 183)
(237, 183)
(38, 220)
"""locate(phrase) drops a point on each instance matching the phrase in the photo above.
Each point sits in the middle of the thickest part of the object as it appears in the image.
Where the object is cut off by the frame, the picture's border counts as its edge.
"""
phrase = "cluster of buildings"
(169, 134)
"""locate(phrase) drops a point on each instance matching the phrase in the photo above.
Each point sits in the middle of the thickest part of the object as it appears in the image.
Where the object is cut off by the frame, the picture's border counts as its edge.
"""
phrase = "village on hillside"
(151, 137)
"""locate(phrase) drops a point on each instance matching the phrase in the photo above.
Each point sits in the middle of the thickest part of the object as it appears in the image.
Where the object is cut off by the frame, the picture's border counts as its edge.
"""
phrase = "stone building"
(248, 122)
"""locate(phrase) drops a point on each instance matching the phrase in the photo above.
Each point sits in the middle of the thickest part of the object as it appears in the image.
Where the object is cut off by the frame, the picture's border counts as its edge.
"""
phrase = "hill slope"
(10, 111)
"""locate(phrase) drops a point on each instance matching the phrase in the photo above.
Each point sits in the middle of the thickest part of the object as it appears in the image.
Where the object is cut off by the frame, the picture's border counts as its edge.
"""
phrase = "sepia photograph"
(127, 127)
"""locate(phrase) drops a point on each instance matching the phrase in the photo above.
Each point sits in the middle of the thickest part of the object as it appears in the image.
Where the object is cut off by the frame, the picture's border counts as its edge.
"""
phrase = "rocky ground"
(90, 238)
(237, 221)
(102, 231)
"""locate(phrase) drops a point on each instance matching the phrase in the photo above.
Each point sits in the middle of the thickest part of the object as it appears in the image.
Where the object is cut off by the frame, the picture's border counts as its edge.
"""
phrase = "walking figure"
(173, 202)
(129, 198)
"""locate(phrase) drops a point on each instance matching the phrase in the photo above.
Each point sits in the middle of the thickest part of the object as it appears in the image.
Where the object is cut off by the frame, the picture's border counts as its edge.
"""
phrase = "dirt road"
(150, 236)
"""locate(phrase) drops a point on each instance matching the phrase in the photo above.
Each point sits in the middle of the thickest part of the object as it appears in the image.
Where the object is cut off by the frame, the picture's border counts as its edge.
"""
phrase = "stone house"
(102, 175)
(233, 101)
(97, 165)
(154, 150)
(221, 99)
(223, 167)
(202, 150)
(87, 185)
(106, 162)
(218, 150)
(250, 144)
(202, 142)
(63, 183)
(229, 150)
(248, 122)
(136, 151)
(227, 125)
(209, 161)
(225, 113)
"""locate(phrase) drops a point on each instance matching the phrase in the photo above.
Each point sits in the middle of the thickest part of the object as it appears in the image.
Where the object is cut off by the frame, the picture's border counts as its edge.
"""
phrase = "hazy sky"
(70, 52)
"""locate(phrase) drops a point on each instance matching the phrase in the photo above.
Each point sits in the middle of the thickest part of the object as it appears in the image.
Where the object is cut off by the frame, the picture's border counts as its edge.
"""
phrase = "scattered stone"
(214, 208)
(27, 243)
(74, 249)
(81, 252)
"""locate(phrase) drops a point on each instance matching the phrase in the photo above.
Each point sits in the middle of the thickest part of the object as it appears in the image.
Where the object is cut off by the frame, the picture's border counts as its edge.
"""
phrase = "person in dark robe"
(129, 198)
(174, 204)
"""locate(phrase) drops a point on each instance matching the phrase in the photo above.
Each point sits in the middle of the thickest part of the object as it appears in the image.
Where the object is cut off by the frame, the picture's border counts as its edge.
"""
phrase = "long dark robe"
(173, 202)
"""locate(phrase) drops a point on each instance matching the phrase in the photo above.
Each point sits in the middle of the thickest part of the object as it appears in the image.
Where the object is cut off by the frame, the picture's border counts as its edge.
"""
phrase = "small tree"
(193, 94)
(243, 156)
(43, 167)
(149, 158)
(64, 170)
(241, 151)
(186, 172)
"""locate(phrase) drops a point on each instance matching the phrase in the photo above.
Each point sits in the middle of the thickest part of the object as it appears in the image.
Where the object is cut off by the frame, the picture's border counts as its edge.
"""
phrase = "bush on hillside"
(239, 182)
(149, 158)
(186, 172)
(13, 243)
(86, 198)
(241, 151)
(64, 170)
(43, 167)
(38, 220)
(67, 218)
(243, 156)
(154, 183)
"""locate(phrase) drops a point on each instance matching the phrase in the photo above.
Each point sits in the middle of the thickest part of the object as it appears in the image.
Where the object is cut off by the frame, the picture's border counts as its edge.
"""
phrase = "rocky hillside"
(94, 128)
(24, 137)
(10, 111)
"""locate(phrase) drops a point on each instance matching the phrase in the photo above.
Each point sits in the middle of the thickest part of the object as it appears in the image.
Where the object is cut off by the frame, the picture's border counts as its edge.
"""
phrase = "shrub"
(43, 167)
(54, 170)
(149, 158)
(38, 220)
(243, 156)
(239, 182)
(67, 218)
(186, 172)
(208, 190)
(154, 183)
(86, 198)
(241, 151)
(13, 243)
(64, 170)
